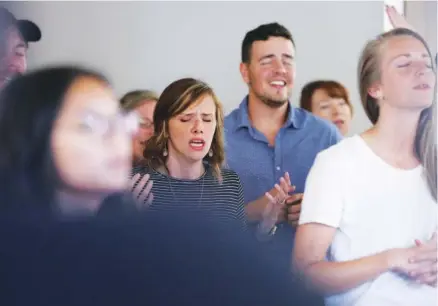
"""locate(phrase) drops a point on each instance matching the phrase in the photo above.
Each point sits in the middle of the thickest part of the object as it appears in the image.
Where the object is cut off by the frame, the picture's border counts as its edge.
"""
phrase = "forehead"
(146, 108)
(322, 95)
(274, 45)
(87, 93)
(204, 104)
(403, 45)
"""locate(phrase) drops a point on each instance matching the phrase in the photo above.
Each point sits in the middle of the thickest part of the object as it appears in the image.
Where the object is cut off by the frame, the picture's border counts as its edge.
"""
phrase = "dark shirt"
(222, 201)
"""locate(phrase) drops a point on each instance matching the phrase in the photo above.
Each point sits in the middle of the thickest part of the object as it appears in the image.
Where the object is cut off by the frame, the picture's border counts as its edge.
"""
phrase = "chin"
(196, 156)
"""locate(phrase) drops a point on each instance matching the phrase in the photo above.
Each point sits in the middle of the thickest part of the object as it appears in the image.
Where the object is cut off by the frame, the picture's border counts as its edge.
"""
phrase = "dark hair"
(332, 88)
(29, 106)
(369, 72)
(263, 32)
(175, 99)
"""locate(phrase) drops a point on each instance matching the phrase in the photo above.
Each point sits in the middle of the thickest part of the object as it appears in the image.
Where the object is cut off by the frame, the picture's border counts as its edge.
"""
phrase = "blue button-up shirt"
(259, 165)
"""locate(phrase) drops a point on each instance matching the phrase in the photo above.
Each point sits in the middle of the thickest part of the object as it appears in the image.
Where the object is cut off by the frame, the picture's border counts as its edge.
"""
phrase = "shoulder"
(230, 175)
(322, 131)
(341, 154)
(230, 120)
(318, 125)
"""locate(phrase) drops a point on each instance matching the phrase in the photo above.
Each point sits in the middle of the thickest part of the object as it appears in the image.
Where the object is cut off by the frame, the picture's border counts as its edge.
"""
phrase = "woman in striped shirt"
(184, 157)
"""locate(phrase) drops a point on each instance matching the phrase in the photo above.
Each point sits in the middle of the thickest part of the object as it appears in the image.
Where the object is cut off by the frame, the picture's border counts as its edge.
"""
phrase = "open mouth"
(423, 86)
(197, 144)
(339, 122)
(278, 84)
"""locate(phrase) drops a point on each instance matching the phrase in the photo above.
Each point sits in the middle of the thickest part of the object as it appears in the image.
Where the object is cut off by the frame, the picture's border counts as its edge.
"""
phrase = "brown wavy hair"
(369, 72)
(175, 99)
(332, 88)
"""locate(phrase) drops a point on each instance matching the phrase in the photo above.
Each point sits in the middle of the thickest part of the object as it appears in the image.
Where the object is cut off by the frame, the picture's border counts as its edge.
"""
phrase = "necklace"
(173, 192)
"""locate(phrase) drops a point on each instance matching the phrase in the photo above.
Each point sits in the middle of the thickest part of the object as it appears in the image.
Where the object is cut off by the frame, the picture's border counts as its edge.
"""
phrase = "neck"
(181, 169)
(263, 117)
(72, 203)
(396, 132)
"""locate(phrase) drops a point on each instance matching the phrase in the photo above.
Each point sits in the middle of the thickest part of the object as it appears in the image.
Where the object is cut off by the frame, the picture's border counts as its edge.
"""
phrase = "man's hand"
(293, 205)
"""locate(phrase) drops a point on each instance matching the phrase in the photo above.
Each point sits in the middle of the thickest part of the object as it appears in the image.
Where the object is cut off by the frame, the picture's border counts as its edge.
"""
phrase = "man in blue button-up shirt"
(266, 137)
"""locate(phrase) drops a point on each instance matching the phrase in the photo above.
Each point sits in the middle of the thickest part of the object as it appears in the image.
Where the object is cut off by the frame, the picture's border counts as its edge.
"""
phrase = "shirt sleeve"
(323, 199)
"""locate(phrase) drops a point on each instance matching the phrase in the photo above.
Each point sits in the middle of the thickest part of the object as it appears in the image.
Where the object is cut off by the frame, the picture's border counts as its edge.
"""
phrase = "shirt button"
(278, 168)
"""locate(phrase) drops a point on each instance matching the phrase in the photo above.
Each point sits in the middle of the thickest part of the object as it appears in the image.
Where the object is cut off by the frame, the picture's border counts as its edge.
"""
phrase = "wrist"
(387, 260)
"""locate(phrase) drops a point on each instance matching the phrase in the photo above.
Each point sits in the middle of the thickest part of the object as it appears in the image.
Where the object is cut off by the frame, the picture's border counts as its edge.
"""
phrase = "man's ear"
(244, 71)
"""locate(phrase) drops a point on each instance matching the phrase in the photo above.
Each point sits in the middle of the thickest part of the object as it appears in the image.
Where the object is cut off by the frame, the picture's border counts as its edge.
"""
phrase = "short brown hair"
(176, 98)
(133, 99)
(332, 88)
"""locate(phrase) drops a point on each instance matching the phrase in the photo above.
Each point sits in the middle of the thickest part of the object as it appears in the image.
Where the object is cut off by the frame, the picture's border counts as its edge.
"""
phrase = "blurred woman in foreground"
(65, 144)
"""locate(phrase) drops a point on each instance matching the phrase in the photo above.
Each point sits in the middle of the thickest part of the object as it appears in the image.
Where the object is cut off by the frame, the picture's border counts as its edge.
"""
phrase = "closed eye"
(403, 65)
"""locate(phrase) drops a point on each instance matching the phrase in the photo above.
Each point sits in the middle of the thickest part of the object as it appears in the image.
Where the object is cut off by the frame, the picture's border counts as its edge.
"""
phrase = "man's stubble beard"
(268, 101)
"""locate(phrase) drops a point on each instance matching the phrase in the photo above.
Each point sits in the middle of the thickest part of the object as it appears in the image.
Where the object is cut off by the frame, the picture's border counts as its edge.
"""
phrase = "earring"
(165, 152)
(210, 153)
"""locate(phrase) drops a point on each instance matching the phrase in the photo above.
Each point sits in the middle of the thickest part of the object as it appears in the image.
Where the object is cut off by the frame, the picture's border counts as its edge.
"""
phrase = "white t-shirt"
(375, 207)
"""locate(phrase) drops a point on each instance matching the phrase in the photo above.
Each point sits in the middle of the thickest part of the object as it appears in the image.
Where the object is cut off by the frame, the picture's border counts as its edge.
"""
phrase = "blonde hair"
(135, 98)
(369, 72)
(174, 100)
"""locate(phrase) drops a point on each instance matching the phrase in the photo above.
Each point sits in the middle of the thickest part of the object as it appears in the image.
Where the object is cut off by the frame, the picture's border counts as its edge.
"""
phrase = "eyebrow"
(191, 114)
(408, 55)
(288, 56)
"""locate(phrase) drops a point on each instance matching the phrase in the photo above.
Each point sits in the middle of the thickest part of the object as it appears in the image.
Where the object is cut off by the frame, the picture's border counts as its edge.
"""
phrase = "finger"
(140, 185)
(418, 269)
(427, 278)
(429, 255)
(150, 199)
(145, 193)
(270, 198)
(288, 181)
(293, 217)
(284, 186)
(294, 209)
(269, 206)
(295, 199)
(281, 195)
(134, 180)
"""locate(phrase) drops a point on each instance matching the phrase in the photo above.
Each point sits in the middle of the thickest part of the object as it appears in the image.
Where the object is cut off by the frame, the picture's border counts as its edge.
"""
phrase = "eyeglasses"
(103, 126)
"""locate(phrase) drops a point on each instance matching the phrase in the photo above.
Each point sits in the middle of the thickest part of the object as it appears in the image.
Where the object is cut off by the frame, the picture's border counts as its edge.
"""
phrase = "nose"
(423, 68)
(279, 67)
(336, 109)
(198, 127)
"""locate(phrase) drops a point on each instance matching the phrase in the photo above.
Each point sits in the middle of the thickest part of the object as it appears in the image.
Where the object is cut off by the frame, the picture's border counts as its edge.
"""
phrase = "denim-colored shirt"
(259, 165)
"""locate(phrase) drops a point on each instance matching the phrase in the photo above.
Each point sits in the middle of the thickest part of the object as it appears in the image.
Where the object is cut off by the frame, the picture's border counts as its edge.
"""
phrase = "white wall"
(150, 44)
(423, 16)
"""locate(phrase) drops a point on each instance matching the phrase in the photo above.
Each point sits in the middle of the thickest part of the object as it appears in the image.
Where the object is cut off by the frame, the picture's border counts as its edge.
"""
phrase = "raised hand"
(141, 189)
(397, 20)
(276, 205)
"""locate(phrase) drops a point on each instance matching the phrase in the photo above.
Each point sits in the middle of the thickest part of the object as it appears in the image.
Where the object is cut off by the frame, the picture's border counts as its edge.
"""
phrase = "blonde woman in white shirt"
(367, 233)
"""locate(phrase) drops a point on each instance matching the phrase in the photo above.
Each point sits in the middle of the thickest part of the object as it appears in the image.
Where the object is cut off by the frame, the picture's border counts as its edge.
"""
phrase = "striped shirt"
(221, 200)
